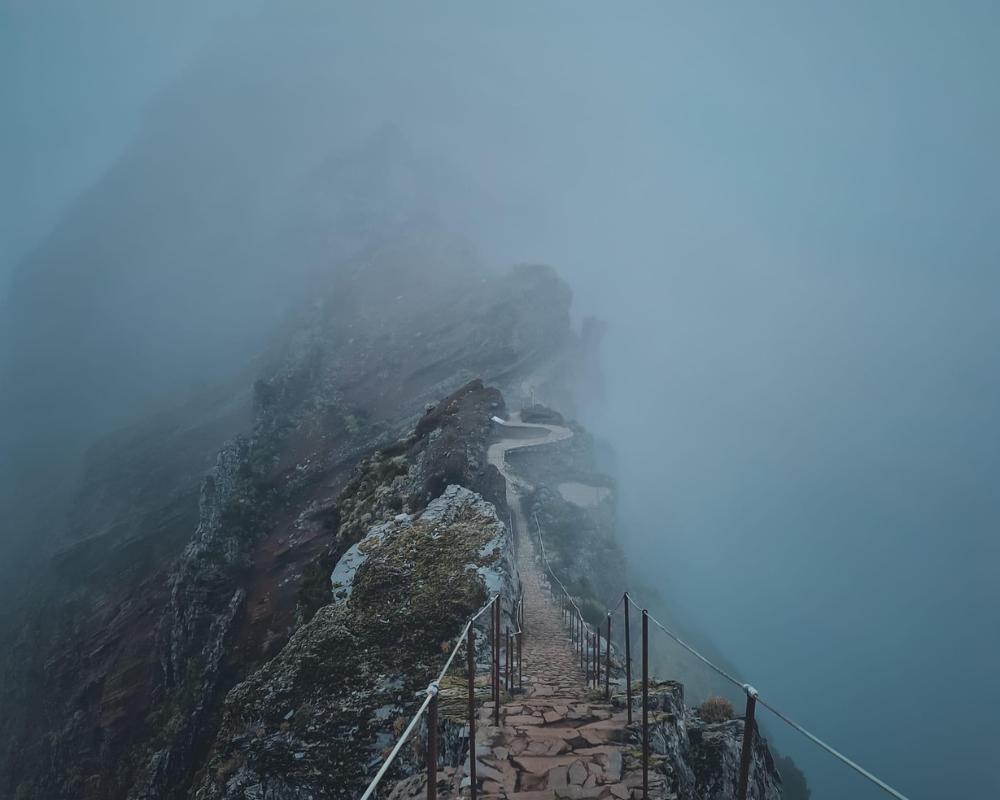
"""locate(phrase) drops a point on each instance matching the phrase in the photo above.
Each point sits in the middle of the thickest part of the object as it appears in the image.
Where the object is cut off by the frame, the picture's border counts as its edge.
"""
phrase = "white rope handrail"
(788, 721)
(399, 744)
(545, 560)
(431, 692)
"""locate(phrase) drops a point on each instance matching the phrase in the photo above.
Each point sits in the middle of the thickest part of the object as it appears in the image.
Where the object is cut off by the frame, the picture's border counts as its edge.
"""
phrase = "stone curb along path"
(556, 737)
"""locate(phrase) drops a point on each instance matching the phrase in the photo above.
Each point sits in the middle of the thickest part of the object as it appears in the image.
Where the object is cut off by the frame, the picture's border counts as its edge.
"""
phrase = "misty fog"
(787, 216)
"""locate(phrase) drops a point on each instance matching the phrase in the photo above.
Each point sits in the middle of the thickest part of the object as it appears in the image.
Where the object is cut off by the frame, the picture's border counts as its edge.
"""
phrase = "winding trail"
(497, 456)
(555, 739)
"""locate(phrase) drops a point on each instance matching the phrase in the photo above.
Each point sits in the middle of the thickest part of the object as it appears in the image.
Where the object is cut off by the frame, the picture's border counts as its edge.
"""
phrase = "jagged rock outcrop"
(575, 506)
(114, 682)
(700, 760)
(315, 720)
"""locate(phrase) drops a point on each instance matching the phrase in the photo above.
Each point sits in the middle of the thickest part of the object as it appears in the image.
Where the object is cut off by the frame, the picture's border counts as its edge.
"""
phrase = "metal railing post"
(645, 704)
(470, 650)
(628, 662)
(747, 749)
(509, 661)
(492, 643)
(590, 659)
(432, 744)
(496, 662)
(597, 658)
(607, 664)
(593, 659)
(520, 671)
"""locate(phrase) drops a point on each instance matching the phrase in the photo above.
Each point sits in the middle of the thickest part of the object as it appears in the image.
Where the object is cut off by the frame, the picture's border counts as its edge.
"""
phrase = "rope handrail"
(400, 742)
(545, 560)
(745, 687)
(689, 648)
(431, 692)
(748, 689)
(835, 753)
(753, 696)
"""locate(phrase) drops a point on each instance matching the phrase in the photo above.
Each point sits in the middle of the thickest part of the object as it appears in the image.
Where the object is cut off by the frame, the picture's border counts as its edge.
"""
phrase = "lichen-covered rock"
(715, 758)
(447, 446)
(122, 652)
(318, 719)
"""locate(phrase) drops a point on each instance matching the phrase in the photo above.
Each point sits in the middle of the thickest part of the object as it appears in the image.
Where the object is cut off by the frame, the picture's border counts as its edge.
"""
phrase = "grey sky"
(788, 214)
(74, 80)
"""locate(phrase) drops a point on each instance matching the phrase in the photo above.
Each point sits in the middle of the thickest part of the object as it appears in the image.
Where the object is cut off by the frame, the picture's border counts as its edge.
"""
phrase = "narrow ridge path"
(557, 739)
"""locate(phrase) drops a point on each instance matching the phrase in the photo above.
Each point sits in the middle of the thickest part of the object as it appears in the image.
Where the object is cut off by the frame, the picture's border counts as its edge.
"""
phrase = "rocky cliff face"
(255, 586)
(574, 505)
(701, 759)
(571, 504)
(317, 719)
(166, 595)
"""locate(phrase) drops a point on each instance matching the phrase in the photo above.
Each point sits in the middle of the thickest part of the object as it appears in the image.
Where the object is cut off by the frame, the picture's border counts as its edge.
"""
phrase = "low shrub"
(716, 709)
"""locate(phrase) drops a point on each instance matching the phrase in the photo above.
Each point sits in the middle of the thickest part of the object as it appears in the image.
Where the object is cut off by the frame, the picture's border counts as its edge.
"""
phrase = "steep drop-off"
(165, 595)
(254, 586)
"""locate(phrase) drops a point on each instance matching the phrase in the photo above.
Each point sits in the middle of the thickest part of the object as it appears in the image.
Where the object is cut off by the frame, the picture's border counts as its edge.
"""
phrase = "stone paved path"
(557, 738)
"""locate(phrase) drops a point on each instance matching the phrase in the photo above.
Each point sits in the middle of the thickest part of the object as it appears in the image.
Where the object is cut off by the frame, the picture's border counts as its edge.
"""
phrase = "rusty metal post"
(588, 644)
(432, 745)
(509, 662)
(496, 662)
(607, 664)
(593, 660)
(492, 643)
(645, 704)
(747, 749)
(505, 653)
(597, 658)
(581, 645)
(628, 663)
(520, 672)
(470, 651)
(506, 659)
(587, 649)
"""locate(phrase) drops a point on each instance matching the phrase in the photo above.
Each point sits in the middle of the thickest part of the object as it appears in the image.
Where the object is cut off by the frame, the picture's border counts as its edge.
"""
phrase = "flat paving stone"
(552, 742)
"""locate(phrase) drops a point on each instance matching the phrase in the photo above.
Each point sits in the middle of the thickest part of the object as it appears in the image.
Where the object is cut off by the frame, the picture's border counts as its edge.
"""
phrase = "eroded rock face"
(699, 759)
(317, 719)
(168, 596)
